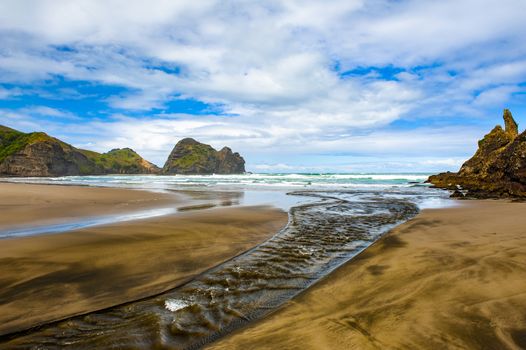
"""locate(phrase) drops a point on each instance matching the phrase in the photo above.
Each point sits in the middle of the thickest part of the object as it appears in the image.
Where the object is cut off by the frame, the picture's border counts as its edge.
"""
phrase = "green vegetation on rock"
(192, 157)
(38, 154)
(121, 161)
(12, 141)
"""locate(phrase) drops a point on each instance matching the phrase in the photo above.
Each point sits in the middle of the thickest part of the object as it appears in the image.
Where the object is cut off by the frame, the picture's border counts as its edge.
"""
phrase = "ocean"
(267, 188)
(245, 181)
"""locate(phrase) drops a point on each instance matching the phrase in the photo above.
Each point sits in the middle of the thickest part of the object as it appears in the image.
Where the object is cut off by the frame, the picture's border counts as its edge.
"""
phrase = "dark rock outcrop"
(46, 157)
(38, 154)
(230, 162)
(498, 168)
(192, 157)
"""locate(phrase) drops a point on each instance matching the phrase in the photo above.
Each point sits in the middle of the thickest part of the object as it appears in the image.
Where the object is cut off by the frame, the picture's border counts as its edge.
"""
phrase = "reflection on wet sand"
(50, 277)
(194, 200)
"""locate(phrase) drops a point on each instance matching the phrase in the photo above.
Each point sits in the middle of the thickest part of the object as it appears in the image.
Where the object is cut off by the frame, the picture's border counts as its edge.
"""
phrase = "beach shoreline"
(46, 278)
(448, 278)
(29, 205)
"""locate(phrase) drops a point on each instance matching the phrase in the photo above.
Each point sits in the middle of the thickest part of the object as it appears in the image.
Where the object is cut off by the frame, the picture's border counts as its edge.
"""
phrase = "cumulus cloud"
(261, 143)
(289, 76)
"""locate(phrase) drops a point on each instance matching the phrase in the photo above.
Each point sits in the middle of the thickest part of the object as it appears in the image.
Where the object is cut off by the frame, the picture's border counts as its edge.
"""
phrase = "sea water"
(264, 188)
(244, 181)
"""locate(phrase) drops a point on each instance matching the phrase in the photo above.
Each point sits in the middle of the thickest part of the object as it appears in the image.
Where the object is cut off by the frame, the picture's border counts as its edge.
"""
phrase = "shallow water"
(193, 200)
(329, 230)
(85, 223)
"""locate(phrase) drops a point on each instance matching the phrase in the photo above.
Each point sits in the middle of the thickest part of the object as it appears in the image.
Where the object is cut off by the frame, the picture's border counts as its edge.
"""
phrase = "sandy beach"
(50, 277)
(29, 205)
(449, 279)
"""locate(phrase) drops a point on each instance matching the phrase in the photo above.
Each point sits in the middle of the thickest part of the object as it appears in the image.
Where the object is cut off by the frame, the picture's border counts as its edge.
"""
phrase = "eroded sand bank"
(450, 278)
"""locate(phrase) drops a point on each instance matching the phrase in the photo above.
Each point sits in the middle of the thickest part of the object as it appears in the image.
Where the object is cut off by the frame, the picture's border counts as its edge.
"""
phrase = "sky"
(294, 86)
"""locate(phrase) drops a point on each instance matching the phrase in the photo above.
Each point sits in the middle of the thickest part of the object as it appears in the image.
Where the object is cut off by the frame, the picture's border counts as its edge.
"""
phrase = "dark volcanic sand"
(49, 277)
(449, 279)
(320, 236)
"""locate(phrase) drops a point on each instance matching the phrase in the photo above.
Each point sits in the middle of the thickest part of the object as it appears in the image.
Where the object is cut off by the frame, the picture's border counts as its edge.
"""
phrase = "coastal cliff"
(498, 168)
(38, 154)
(192, 157)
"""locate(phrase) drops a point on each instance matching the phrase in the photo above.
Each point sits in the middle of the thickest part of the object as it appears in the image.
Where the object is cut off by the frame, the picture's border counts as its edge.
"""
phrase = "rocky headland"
(497, 170)
(38, 154)
(192, 157)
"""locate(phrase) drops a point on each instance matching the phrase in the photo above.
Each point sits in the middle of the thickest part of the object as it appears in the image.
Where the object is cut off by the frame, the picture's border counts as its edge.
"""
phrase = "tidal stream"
(330, 229)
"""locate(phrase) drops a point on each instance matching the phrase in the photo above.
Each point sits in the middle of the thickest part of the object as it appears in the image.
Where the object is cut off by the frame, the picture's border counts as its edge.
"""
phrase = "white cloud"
(154, 139)
(274, 65)
(46, 111)
(6, 94)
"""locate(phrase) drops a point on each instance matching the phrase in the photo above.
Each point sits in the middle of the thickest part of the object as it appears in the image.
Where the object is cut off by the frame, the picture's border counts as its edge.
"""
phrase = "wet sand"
(29, 205)
(320, 236)
(449, 279)
(50, 277)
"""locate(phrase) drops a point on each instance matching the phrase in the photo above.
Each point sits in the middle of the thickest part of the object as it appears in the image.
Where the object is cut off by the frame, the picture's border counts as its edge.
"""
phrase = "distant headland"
(38, 154)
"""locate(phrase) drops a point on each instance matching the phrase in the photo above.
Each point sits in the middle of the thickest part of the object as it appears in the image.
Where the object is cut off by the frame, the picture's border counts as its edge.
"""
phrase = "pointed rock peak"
(511, 126)
(498, 168)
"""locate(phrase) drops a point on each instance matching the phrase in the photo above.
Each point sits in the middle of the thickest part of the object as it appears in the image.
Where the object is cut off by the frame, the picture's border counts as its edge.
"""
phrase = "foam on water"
(174, 305)
(280, 181)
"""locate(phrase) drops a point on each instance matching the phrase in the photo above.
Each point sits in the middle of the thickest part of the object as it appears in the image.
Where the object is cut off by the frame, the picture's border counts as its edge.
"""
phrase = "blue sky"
(311, 86)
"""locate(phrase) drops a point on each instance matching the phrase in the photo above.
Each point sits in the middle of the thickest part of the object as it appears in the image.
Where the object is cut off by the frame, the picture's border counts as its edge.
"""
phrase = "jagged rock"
(489, 149)
(511, 164)
(498, 168)
(230, 162)
(192, 157)
(38, 154)
(509, 123)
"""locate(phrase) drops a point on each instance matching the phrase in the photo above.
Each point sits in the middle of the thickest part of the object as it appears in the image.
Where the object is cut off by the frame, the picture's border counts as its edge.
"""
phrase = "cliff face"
(498, 168)
(192, 157)
(38, 154)
(230, 162)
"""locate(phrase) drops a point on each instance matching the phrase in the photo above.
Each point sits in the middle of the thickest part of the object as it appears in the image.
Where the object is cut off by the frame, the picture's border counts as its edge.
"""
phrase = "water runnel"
(319, 237)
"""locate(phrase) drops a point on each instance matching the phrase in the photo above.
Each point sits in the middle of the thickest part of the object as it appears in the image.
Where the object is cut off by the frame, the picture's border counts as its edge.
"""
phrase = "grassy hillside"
(195, 155)
(12, 141)
(117, 161)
